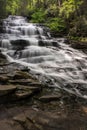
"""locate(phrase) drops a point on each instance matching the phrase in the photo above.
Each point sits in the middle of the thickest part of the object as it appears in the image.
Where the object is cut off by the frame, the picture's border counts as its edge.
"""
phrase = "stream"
(50, 59)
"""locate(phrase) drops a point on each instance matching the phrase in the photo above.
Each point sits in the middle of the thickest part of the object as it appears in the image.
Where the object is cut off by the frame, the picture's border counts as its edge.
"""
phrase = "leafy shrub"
(38, 16)
(56, 24)
(52, 11)
(70, 7)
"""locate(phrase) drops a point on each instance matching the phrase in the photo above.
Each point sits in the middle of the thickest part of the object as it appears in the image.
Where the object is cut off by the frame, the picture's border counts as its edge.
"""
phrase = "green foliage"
(56, 24)
(12, 6)
(53, 10)
(59, 15)
(39, 16)
(69, 7)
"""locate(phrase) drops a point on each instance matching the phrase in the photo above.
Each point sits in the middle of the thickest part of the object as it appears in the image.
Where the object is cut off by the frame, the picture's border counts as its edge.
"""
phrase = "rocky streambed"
(43, 80)
(28, 104)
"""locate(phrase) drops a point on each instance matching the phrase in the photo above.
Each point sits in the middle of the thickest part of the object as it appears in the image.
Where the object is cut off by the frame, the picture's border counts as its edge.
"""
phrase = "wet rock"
(6, 89)
(2, 56)
(22, 75)
(36, 84)
(48, 98)
(41, 43)
(25, 69)
(4, 79)
(20, 43)
(55, 44)
(3, 59)
(26, 88)
(1, 26)
(21, 81)
(23, 94)
(1, 29)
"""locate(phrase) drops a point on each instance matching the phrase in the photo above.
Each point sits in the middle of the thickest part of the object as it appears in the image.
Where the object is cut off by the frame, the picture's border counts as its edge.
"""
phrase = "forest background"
(63, 17)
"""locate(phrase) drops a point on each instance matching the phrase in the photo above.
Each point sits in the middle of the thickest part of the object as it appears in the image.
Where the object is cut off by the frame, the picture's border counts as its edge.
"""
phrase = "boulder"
(20, 42)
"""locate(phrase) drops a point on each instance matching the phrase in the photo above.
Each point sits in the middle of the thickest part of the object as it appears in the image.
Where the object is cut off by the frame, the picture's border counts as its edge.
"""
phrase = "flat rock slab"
(21, 81)
(6, 89)
(48, 98)
(27, 88)
(22, 75)
(23, 94)
(40, 120)
(3, 79)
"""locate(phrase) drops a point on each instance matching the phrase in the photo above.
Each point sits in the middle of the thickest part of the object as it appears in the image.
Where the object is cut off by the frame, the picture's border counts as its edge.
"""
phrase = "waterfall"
(31, 45)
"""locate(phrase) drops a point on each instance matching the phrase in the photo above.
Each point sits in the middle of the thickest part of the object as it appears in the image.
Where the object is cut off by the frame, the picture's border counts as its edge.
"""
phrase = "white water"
(50, 59)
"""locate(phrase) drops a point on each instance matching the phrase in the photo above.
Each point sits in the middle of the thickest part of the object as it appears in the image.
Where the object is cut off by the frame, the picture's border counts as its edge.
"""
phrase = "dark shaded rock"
(4, 79)
(48, 98)
(1, 29)
(20, 43)
(22, 75)
(78, 44)
(6, 89)
(4, 64)
(25, 69)
(1, 26)
(26, 88)
(36, 84)
(23, 94)
(2, 56)
(46, 43)
(41, 43)
(21, 81)
(55, 44)
(66, 40)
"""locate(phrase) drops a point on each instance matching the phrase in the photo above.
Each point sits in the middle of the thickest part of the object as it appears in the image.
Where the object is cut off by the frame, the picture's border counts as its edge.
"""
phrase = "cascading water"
(31, 45)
